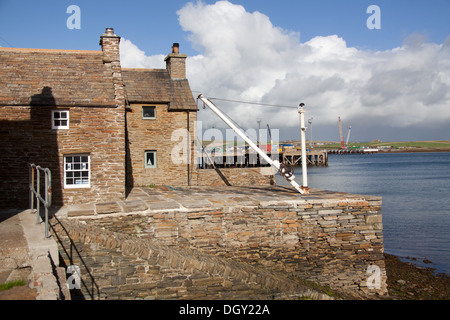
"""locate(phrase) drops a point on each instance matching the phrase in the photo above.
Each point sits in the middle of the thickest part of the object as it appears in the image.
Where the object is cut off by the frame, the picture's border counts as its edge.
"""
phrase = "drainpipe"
(188, 151)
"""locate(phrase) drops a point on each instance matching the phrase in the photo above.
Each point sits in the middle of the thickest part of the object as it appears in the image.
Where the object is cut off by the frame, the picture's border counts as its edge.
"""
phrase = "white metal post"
(303, 142)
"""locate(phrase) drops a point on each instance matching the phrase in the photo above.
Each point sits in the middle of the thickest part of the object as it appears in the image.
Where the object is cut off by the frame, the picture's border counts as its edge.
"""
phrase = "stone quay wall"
(236, 177)
(333, 241)
(117, 266)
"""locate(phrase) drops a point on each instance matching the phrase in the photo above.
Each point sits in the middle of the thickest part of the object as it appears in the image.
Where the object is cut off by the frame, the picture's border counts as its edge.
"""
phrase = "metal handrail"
(34, 171)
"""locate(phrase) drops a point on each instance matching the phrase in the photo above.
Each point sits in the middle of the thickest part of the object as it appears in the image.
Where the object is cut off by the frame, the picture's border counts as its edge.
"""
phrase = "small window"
(77, 171)
(150, 159)
(60, 119)
(148, 113)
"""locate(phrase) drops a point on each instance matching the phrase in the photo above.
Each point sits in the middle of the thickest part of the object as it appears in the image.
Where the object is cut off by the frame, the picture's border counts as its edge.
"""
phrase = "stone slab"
(134, 205)
(108, 207)
(163, 205)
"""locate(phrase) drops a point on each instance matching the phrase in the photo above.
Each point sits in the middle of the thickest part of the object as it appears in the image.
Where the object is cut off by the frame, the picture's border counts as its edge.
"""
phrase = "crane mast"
(270, 136)
(348, 136)
(341, 135)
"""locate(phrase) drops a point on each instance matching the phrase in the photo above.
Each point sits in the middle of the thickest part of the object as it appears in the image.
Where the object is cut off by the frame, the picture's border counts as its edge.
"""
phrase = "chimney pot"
(109, 31)
(176, 48)
(176, 63)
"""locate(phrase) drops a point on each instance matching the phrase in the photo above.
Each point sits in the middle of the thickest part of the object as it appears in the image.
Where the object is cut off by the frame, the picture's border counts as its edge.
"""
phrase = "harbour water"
(416, 199)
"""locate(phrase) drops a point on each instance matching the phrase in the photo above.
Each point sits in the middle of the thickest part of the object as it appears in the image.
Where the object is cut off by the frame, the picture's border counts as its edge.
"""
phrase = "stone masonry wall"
(336, 242)
(16, 138)
(28, 137)
(235, 177)
(117, 266)
(166, 134)
(104, 141)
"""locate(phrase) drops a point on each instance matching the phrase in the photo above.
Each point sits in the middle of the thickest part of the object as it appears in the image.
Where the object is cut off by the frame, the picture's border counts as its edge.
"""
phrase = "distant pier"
(353, 151)
(294, 158)
(251, 160)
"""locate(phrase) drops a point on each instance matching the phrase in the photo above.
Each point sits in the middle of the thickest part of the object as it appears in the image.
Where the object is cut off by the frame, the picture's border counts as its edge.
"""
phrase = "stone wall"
(167, 135)
(100, 133)
(16, 139)
(29, 138)
(333, 239)
(235, 177)
(117, 266)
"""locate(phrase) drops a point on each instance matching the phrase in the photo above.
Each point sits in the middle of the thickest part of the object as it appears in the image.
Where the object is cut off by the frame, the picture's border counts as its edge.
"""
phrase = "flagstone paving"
(195, 198)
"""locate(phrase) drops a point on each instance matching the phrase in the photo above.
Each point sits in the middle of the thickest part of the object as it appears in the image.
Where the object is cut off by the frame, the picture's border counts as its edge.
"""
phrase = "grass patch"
(9, 285)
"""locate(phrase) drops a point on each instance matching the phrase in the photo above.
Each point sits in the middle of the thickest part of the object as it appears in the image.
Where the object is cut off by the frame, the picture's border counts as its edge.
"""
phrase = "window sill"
(77, 187)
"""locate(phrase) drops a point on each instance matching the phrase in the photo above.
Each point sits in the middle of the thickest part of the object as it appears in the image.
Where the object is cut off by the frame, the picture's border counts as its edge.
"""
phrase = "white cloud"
(132, 57)
(245, 57)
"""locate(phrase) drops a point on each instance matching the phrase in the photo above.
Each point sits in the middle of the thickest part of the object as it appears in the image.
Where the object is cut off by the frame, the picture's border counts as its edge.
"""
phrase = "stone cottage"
(99, 128)
(160, 112)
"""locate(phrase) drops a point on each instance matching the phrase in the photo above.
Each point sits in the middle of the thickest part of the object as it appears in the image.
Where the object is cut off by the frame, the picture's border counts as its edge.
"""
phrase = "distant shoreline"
(414, 150)
(405, 150)
(390, 147)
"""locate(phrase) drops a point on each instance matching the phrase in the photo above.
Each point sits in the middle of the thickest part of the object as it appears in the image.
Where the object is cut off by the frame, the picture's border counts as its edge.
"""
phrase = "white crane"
(281, 167)
(341, 135)
(348, 137)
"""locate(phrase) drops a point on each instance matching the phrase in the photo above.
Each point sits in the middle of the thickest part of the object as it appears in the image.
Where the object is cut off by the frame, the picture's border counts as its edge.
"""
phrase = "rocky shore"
(409, 282)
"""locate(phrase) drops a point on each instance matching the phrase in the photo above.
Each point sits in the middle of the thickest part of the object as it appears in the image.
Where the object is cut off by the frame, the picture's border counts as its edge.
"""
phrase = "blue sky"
(153, 25)
(390, 83)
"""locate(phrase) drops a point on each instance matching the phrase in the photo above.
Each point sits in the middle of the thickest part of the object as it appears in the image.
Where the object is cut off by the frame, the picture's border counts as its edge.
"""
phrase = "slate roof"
(55, 77)
(80, 78)
(156, 86)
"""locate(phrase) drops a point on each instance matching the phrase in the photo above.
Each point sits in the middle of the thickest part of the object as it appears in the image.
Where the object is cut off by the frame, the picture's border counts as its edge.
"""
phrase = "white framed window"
(149, 112)
(60, 119)
(77, 173)
(150, 159)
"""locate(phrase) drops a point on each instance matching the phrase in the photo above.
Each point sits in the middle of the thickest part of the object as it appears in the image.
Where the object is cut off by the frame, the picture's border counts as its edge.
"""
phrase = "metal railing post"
(48, 197)
(31, 185)
(38, 203)
(47, 202)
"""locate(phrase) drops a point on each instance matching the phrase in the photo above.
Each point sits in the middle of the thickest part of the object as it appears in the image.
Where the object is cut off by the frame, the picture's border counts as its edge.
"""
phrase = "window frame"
(60, 127)
(71, 171)
(154, 166)
(154, 113)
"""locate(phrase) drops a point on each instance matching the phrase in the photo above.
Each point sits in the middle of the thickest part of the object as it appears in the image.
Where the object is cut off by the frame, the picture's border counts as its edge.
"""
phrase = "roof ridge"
(50, 50)
(143, 69)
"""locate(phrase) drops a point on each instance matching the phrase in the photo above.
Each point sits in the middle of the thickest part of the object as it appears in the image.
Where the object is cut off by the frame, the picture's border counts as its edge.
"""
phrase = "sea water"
(416, 198)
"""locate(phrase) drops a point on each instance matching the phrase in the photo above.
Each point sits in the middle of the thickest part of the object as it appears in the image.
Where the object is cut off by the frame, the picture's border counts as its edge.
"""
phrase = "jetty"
(354, 151)
(314, 157)
(250, 159)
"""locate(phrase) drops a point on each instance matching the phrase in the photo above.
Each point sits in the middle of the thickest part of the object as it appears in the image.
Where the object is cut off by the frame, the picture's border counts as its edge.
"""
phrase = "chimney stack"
(111, 55)
(110, 45)
(176, 63)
